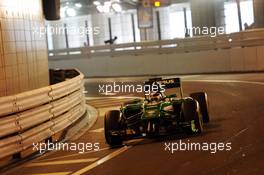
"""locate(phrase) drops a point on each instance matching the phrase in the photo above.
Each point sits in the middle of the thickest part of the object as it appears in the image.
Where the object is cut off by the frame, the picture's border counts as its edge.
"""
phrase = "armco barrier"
(235, 52)
(7, 105)
(37, 115)
(248, 38)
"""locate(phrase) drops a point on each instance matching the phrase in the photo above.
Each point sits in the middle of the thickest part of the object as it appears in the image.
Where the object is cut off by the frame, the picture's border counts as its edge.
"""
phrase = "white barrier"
(36, 115)
(33, 98)
(240, 39)
(7, 105)
(237, 52)
(8, 125)
(10, 146)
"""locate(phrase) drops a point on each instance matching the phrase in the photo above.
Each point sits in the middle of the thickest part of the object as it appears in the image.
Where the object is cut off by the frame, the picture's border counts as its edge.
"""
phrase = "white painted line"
(134, 141)
(182, 76)
(237, 134)
(62, 162)
(227, 81)
(57, 173)
(76, 154)
(118, 97)
(97, 130)
(101, 161)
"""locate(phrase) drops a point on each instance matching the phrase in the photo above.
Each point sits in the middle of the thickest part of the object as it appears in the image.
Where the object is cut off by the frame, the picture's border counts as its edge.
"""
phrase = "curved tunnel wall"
(23, 51)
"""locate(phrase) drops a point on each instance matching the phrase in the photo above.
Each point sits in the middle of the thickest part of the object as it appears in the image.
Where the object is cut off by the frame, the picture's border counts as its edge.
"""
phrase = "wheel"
(201, 97)
(191, 113)
(112, 123)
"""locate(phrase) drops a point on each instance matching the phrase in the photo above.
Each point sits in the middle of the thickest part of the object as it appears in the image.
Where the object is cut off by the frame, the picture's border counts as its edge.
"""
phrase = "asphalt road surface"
(237, 117)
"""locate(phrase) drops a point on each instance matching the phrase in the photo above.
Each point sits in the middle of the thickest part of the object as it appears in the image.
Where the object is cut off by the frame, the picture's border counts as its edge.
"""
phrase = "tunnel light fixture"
(71, 12)
(108, 6)
(79, 5)
(106, 9)
(96, 3)
(108, 3)
(100, 8)
(117, 7)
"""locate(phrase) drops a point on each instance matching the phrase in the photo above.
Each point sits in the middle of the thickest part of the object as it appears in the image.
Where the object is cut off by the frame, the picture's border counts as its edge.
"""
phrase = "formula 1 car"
(157, 114)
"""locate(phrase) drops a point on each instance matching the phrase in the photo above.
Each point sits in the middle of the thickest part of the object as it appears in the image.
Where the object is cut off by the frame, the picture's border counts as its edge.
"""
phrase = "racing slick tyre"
(191, 113)
(112, 123)
(201, 97)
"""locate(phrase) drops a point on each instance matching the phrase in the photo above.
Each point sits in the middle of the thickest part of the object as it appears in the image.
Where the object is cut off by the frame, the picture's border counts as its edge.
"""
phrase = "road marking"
(108, 100)
(108, 93)
(101, 161)
(62, 162)
(134, 141)
(97, 130)
(101, 149)
(117, 97)
(226, 81)
(57, 173)
(237, 134)
(133, 79)
(76, 154)
(103, 102)
(181, 76)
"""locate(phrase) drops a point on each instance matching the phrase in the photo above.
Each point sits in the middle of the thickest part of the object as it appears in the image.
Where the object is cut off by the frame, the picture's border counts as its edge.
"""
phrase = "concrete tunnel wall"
(213, 61)
(23, 51)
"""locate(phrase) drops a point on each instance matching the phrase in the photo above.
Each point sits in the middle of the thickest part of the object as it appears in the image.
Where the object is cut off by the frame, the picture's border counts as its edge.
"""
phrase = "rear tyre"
(201, 97)
(112, 123)
(191, 114)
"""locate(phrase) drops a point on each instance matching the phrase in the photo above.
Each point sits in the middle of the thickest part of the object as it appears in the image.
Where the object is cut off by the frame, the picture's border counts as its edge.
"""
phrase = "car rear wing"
(168, 83)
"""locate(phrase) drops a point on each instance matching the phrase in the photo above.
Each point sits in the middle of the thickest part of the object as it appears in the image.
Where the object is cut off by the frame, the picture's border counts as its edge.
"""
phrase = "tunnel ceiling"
(89, 8)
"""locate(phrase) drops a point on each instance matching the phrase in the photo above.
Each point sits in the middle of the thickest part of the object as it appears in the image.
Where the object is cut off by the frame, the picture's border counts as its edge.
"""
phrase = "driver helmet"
(155, 96)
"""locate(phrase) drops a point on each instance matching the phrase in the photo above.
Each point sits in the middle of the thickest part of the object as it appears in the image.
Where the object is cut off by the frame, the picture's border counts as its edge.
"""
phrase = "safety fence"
(34, 116)
(247, 38)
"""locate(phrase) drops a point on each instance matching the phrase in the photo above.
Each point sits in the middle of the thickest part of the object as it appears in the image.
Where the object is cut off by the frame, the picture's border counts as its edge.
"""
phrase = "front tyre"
(112, 128)
(201, 97)
(191, 114)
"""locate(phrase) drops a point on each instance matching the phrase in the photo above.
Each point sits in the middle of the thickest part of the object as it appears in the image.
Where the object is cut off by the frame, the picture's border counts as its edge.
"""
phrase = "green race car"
(157, 114)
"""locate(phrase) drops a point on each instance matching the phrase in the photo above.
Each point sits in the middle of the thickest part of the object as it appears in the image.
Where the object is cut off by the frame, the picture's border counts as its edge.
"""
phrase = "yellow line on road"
(62, 162)
(134, 141)
(101, 161)
(97, 130)
(227, 81)
(107, 100)
(115, 97)
(57, 173)
(76, 154)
